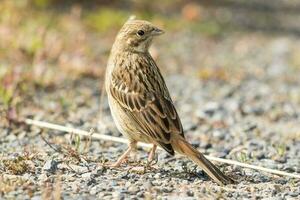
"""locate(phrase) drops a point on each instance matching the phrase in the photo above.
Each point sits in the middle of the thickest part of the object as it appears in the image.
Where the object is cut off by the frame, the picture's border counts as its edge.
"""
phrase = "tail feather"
(182, 146)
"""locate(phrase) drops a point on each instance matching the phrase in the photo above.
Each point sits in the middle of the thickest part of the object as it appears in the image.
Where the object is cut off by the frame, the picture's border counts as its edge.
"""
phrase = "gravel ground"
(238, 98)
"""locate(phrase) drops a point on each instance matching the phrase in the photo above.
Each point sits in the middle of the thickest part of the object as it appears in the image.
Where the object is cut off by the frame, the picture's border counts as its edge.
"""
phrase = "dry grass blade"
(148, 146)
(66, 150)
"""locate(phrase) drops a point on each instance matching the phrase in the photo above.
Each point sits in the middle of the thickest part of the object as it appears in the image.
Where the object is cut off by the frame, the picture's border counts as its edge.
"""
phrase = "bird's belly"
(125, 124)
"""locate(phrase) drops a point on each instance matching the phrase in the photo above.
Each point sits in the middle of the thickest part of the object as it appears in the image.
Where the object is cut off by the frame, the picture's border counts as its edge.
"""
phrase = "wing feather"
(141, 91)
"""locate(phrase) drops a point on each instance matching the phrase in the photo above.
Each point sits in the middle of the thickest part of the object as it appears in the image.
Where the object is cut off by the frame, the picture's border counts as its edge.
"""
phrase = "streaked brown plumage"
(139, 99)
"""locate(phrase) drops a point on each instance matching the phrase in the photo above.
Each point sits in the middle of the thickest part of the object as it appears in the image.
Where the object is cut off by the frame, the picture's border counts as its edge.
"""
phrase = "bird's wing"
(142, 93)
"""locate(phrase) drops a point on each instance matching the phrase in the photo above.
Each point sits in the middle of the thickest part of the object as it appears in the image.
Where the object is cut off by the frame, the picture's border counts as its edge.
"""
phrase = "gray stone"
(117, 195)
(50, 166)
(94, 190)
(133, 189)
(86, 175)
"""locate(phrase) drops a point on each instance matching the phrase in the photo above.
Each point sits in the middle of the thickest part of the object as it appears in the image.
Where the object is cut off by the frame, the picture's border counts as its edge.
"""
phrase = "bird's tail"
(183, 147)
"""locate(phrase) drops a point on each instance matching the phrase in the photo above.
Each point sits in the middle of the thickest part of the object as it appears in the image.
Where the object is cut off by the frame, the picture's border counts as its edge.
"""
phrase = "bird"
(140, 102)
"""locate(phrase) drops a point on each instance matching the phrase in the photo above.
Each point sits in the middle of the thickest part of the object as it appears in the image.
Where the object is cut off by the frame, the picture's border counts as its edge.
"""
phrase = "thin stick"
(148, 146)
(272, 171)
(80, 132)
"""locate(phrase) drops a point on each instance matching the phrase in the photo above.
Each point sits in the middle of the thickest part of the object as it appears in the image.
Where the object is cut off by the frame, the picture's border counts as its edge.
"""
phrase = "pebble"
(147, 185)
(219, 134)
(211, 107)
(94, 190)
(11, 138)
(133, 189)
(118, 196)
(294, 194)
(86, 175)
(167, 189)
(79, 169)
(190, 193)
(157, 176)
(50, 166)
(127, 184)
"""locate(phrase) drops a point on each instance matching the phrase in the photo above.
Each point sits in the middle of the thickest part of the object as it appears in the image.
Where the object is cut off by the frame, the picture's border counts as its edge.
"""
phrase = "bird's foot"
(116, 164)
(153, 161)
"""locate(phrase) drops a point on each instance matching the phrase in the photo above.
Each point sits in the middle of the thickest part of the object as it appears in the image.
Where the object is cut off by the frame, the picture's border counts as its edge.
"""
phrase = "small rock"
(75, 187)
(94, 190)
(185, 182)
(219, 134)
(140, 194)
(118, 195)
(195, 144)
(50, 166)
(114, 183)
(249, 127)
(202, 190)
(294, 194)
(205, 145)
(147, 185)
(167, 189)
(86, 175)
(100, 170)
(11, 137)
(127, 184)
(260, 155)
(133, 189)
(190, 193)
(79, 169)
(43, 177)
(102, 194)
(157, 176)
(211, 107)
(123, 175)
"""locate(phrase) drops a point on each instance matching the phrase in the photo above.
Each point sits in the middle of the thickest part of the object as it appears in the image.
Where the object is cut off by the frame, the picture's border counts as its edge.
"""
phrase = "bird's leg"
(132, 146)
(152, 154)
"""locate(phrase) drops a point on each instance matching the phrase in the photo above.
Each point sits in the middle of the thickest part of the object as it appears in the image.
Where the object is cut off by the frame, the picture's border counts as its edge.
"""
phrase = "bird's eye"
(140, 32)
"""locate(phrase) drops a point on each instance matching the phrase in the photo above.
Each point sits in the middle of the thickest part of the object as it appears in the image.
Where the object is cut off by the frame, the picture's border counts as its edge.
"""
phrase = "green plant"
(281, 149)
(242, 157)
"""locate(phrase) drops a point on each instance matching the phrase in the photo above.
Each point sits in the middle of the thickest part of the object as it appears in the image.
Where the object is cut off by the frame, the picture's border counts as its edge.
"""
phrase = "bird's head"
(137, 35)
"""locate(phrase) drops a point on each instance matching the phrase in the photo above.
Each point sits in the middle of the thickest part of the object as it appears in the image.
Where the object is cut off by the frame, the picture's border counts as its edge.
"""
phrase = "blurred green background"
(48, 43)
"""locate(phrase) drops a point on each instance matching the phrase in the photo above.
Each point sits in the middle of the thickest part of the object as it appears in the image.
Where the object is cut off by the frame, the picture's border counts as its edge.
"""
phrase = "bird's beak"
(157, 31)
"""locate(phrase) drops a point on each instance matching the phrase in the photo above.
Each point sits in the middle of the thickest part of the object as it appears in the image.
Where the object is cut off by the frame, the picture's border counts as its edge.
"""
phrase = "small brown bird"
(140, 102)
